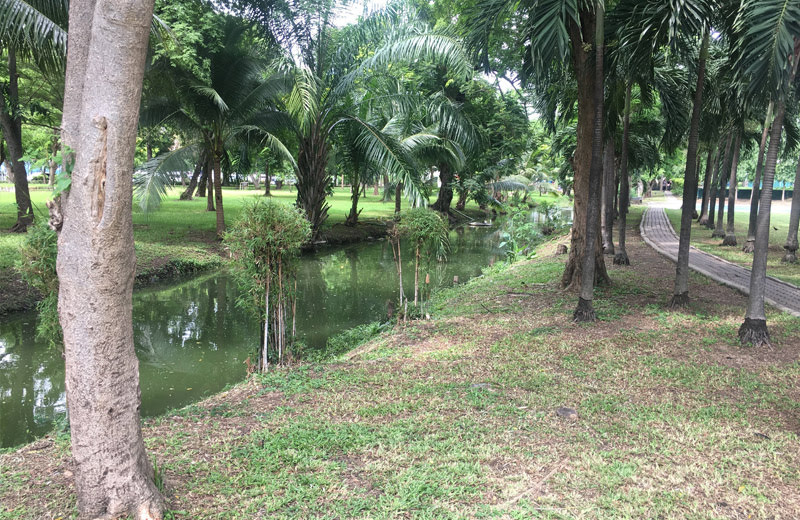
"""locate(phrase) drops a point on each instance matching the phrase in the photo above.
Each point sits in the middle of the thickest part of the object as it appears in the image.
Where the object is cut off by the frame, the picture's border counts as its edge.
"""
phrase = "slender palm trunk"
(754, 329)
(621, 258)
(313, 179)
(680, 295)
(794, 218)
(188, 193)
(398, 197)
(730, 231)
(719, 231)
(267, 180)
(706, 179)
(218, 191)
(585, 311)
(754, 194)
(712, 203)
(355, 194)
(607, 216)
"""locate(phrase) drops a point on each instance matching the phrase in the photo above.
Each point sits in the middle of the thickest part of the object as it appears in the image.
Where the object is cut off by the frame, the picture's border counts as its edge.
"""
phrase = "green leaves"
(770, 29)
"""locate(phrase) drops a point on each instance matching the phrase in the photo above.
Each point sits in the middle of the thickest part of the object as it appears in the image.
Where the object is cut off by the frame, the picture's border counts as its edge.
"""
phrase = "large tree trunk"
(754, 329)
(218, 191)
(445, 197)
(730, 231)
(680, 295)
(754, 194)
(313, 178)
(794, 218)
(12, 132)
(607, 216)
(585, 311)
(105, 65)
(724, 172)
(621, 258)
(584, 74)
(706, 180)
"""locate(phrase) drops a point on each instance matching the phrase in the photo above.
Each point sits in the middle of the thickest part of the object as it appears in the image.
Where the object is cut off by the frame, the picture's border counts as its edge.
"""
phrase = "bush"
(38, 269)
(677, 187)
(264, 243)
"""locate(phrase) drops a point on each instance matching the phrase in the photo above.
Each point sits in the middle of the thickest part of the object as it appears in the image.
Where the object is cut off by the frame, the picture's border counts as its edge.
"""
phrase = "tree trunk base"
(679, 300)
(709, 224)
(608, 249)
(695, 216)
(729, 240)
(584, 312)
(621, 258)
(790, 257)
(703, 221)
(749, 246)
(755, 333)
(718, 234)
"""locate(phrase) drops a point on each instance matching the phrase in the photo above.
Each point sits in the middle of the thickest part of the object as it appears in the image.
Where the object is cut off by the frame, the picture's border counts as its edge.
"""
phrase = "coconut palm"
(770, 52)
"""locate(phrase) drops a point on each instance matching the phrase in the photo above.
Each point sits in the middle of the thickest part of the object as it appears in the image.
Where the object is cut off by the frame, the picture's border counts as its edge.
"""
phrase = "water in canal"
(192, 339)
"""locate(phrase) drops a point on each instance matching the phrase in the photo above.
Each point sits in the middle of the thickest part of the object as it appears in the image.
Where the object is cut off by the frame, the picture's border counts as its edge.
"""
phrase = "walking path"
(658, 233)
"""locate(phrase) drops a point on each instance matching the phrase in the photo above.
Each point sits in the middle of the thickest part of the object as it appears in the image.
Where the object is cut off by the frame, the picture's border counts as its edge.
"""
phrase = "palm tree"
(770, 53)
(794, 219)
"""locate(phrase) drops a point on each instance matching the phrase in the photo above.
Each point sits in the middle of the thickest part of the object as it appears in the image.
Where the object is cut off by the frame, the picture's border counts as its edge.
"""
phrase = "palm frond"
(153, 178)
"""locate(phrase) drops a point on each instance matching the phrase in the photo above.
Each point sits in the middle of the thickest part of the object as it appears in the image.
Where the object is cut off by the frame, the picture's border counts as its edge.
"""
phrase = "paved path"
(657, 231)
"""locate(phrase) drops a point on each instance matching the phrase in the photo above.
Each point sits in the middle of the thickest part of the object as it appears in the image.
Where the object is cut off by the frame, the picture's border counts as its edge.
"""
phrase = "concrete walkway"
(658, 233)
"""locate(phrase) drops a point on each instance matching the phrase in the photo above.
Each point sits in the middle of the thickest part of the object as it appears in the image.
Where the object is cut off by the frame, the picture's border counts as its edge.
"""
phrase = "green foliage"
(267, 234)
(677, 187)
(520, 233)
(348, 340)
(38, 269)
(264, 241)
(426, 230)
(63, 179)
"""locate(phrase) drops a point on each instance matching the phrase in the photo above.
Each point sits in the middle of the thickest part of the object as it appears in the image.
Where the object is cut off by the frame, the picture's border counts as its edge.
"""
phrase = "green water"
(192, 339)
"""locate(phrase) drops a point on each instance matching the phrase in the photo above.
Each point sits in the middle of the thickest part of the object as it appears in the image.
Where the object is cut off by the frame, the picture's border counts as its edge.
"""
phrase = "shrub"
(38, 269)
(264, 244)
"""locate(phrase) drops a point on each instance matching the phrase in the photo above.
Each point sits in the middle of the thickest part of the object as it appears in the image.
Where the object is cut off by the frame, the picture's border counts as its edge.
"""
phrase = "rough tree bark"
(105, 65)
(585, 311)
(794, 218)
(730, 231)
(680, 295)
(445, 198)
(313, 178)
(754, 194)
(712, 194)
(607, 215)
(267, 180)
(11, 124)
(398, 197)
(584, 74)
(621, 258)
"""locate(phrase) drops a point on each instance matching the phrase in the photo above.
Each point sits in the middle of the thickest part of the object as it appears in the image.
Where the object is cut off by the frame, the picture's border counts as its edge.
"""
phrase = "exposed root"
(749, 246)
(621, 258)
(755, 333)
(584, 312)
(679, 300)
(703, 220)
(729, 240)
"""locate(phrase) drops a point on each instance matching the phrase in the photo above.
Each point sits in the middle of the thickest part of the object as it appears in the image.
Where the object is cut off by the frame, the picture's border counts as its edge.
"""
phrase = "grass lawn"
(456, 417)
(701, 239)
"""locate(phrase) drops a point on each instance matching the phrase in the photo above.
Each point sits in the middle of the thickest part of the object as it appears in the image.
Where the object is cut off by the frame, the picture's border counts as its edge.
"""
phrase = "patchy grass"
(701, 239)
(455, 417)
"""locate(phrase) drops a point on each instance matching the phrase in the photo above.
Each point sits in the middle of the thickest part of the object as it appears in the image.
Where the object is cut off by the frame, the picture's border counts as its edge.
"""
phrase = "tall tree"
(730, 230)
(105, 65)
(770, 50)
(794, 219)
(754, 194)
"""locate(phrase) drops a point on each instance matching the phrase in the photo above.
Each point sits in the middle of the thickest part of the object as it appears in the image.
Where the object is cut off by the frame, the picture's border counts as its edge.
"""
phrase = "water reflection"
(192, 339)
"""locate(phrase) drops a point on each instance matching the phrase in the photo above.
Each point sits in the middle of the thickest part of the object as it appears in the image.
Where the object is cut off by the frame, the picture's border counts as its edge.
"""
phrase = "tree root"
(729, 240)
(679, 300)
(749, 246)
(755, 333)
(621, 258)
(703, 220)
(584, 312)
